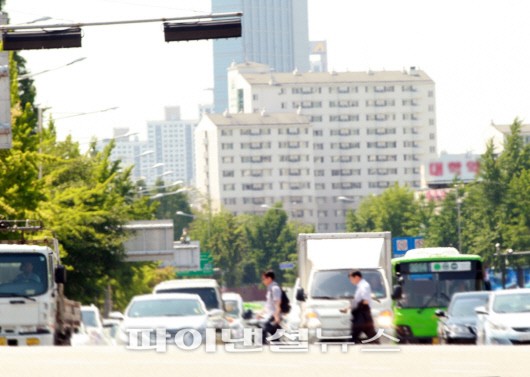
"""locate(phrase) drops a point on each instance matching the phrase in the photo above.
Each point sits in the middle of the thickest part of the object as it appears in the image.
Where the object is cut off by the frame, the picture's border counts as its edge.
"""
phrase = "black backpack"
(285, 305)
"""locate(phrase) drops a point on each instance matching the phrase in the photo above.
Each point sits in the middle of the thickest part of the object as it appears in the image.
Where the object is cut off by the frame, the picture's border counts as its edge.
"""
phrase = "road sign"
(286, 265)
(400, 245)
(206, 263)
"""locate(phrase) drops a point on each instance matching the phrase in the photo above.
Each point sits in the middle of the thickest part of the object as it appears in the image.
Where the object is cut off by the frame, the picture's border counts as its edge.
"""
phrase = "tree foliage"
(395, 210)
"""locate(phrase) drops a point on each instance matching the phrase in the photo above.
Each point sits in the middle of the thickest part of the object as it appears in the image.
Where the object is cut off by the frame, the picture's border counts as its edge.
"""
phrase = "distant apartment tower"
(129, 150)
(171, 140)
(370, 129)
(248, 162)
(274, 32)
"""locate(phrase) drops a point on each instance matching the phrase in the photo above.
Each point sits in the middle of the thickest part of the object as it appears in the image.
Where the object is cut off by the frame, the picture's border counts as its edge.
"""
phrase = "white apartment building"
(171, 140)
(166, 155)
(129, 150)
(370, 129)
(247, 162)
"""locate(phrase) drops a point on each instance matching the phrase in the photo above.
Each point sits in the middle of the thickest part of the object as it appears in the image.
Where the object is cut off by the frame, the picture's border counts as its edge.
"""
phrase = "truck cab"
(33, 308)
(324, 287)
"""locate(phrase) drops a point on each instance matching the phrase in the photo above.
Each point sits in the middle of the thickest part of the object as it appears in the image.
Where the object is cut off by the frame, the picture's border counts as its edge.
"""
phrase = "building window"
(228, 173)
(240, 100)
(411, 144)
(256, 159)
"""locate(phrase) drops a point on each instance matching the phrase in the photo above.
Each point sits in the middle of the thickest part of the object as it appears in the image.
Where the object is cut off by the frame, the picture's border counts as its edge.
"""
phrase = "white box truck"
(323, 286)
(33, 307)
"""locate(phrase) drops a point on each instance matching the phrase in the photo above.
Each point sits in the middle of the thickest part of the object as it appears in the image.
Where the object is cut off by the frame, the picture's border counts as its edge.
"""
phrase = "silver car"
(505, 319)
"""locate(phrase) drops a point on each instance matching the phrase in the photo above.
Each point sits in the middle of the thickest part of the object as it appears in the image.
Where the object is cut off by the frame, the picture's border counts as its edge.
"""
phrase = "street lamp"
(30, 75)
(459, 224)
(180, 213)
(162, 194)
(146, 153)
(345, 199)
(268, 207)
(45, 18)
(88, 113)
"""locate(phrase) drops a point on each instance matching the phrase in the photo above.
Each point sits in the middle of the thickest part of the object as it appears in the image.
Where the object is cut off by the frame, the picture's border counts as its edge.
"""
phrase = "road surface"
(410, 361)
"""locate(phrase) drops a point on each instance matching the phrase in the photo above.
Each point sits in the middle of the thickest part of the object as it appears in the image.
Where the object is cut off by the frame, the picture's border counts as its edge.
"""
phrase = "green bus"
(425, 280)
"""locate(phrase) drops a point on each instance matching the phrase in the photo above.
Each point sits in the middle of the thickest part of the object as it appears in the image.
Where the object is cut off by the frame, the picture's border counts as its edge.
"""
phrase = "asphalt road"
(375, 361)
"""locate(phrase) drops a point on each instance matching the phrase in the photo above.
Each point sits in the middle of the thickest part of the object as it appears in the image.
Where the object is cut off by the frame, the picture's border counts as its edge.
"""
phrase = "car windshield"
(207, 295)
(23, 274)
(336, 284)
(465, 306)
(89, 318)
(512, 303)
(165, 308)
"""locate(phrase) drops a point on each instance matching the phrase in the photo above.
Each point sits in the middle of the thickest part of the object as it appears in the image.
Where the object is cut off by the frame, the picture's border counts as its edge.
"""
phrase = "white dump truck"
(33, 308)
(323, 286)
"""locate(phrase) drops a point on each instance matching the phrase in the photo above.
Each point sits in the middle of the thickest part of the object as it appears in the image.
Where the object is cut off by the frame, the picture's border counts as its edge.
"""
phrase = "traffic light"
(32, 40)
(215, 29)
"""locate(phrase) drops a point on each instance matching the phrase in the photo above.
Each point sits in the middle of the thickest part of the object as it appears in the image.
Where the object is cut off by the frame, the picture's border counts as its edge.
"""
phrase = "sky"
(477, 53)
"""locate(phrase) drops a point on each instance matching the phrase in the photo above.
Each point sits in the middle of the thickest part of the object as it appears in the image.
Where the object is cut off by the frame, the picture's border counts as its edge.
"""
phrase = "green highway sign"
(206, 267)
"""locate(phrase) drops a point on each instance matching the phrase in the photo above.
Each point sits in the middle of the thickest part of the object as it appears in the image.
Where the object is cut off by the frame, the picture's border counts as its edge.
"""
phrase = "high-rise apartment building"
(248, 162)
(167, 154)
(370, 129)
(274, 32)
(129, 150)
(171, 140)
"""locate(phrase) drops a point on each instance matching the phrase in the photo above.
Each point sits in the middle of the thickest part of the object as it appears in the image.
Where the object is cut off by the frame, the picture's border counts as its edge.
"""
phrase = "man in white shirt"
(362, 321)
(272, 311)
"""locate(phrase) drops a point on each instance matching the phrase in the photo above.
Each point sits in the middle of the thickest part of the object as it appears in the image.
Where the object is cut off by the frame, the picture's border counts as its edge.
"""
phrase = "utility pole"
(6, 137)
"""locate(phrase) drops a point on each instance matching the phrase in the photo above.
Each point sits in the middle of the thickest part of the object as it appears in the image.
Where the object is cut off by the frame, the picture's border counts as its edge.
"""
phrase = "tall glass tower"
(274, 32)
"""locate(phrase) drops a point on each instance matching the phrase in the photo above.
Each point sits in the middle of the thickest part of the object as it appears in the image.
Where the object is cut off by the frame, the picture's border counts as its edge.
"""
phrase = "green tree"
(395, 210)
(88, 200)
(19, 166)
(495, 206)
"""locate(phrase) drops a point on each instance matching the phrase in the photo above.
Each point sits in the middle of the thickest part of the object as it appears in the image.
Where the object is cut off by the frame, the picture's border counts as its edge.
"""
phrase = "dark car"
(459, 324)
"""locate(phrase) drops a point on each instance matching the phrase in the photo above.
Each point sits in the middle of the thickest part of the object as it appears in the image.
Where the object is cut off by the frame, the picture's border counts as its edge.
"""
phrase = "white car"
(174, 313)
(233, 305)
(505, 319)
(91, 332)
(209, 292)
